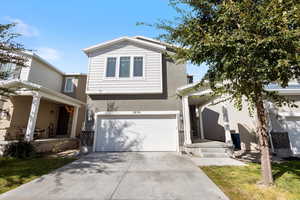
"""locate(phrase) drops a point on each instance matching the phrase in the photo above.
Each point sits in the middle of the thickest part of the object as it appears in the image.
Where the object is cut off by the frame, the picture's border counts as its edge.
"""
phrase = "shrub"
(20, 149)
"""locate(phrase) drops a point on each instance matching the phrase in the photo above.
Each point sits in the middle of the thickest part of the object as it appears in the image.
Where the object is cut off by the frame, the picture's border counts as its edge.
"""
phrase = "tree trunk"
(266, 170)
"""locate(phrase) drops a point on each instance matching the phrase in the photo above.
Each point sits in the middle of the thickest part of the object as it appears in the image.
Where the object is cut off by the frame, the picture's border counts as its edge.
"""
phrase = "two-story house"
(131, 95)
(134, 98)
(48, 106)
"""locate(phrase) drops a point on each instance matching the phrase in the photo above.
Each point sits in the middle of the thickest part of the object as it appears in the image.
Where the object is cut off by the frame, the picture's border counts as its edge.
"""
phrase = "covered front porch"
(51, 119)
(40, 115)
(204, 130)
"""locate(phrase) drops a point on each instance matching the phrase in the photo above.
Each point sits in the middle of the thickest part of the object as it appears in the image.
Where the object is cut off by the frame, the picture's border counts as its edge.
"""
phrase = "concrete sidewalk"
(120, 176)
(215, 161)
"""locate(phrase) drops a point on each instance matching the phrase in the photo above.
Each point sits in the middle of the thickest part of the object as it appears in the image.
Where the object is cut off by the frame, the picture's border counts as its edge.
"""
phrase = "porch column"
(74, 122)
(200, 109)
(32, 117)
(228, 139)
(186, 120)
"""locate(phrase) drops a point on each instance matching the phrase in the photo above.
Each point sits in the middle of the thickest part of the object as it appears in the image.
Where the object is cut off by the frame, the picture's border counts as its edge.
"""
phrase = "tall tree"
(10, 54)
(247, 45)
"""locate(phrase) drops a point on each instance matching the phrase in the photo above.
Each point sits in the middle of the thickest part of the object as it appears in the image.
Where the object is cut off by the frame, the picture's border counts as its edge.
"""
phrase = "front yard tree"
(9, 54)
(247, 44)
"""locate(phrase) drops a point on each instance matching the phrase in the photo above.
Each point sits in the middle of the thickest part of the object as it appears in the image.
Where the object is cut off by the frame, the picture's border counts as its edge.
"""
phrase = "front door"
(63, 121)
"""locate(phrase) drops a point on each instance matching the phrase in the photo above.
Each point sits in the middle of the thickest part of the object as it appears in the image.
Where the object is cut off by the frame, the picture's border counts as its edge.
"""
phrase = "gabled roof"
(291, 89)
(49, 65)
(144, 42)
(153, 41)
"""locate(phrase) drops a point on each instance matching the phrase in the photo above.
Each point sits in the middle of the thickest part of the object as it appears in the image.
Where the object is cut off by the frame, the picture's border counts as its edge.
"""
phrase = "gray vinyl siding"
(173, 77)
(277, 121)
(152, 82)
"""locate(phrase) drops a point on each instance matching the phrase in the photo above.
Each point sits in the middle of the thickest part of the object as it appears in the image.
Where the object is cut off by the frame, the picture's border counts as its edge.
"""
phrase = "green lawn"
(15, 172)
(240, 183)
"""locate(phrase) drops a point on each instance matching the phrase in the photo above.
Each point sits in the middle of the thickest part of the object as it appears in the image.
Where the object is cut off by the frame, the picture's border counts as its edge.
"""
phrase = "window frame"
(116, 70)
(143, 67)
(130, 67)
(11, 72)
(66, 81)
(131, 74)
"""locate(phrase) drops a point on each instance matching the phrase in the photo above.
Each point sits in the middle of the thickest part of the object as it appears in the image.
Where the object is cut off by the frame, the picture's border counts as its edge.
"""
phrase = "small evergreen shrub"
(20, 149)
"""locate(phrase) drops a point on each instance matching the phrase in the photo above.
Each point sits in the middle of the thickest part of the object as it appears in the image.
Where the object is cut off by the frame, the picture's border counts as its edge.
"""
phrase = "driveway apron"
(122, 176)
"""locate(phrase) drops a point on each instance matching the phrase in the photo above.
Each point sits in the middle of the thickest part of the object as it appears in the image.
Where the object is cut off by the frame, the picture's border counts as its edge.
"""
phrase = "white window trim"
(144, 61)
(105, 67)
(131, 77)
(130, 67)
(66, 80)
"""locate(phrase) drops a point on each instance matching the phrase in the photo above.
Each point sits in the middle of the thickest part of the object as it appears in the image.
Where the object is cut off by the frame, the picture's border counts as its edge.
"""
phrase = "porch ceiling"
(199, 100)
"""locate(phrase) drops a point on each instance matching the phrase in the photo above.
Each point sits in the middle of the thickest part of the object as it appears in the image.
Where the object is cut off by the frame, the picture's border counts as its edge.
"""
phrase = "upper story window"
(69, 85)
(124, 70)
(125, 67)
(138, 66)
(8, 71)
(111, 67)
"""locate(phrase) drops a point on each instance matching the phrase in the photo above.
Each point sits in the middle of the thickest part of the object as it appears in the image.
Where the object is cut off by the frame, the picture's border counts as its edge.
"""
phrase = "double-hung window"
(124, 70)
(138, 66)
(69, 85)
(7, 71)
(125, 67)
(111, 67)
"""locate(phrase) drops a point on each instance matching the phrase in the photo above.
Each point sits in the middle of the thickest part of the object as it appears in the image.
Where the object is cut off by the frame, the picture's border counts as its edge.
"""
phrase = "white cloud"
(23, 28)
(49, 53)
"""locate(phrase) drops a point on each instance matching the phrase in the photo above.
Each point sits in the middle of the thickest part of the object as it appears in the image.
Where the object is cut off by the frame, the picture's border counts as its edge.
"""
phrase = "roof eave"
(112, 42)
(26, 84)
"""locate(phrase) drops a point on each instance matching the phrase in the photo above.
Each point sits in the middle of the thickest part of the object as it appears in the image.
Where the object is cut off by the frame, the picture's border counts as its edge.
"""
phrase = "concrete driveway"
(122, 176)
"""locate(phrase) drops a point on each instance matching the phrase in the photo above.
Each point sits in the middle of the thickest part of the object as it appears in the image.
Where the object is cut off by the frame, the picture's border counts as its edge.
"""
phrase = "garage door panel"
(293, 126)
(136, 133)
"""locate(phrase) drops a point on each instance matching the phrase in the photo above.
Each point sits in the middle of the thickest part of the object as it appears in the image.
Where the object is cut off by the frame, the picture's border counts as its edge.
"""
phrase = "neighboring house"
(47, 104)
(132, 102)
(207, 119)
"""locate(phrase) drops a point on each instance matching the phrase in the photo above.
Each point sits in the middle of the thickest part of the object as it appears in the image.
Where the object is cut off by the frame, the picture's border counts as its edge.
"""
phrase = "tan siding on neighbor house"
(44, 75)
(78, 93)
(152, 83)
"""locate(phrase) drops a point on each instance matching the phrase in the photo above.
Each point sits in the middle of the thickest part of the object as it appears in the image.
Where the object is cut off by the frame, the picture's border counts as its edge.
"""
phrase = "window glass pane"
(138, 66)
(69, 85)
(111, 67)
(7, 70)
(124, 67)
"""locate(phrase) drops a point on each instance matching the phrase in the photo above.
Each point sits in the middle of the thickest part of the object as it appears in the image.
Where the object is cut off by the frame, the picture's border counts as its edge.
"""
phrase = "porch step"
(208, 149)
(213, 150)
(209, 144)
(215, 155)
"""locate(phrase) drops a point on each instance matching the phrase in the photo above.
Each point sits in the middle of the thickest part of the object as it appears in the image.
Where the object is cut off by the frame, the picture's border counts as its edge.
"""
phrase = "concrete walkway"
(215, 161)
(122, 176)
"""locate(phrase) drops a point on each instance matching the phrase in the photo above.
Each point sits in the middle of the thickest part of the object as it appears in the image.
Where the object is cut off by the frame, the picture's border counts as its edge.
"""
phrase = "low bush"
(20, 149)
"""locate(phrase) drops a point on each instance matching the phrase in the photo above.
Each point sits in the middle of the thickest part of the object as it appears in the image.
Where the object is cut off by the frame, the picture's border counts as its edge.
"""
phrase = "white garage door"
(293, 128)
(137, 133)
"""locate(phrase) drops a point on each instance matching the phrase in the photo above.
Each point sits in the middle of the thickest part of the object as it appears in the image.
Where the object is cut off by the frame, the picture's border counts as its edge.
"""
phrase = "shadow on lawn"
(292, 167)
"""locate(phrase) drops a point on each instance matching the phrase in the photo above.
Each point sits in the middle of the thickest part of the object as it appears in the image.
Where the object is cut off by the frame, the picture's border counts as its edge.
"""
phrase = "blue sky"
(58, 30)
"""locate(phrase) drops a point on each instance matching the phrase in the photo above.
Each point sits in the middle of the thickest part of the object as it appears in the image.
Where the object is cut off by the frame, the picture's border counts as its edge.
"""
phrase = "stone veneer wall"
(47, 145)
